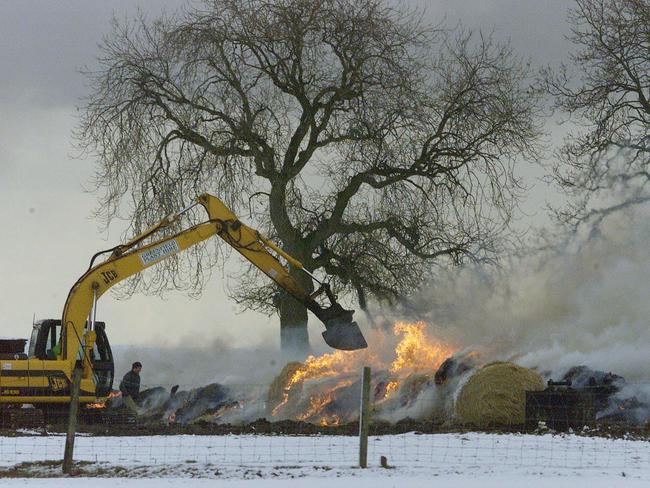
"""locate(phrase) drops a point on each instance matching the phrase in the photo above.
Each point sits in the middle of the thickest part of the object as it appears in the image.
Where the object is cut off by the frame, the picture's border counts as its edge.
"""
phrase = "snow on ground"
(372, 480)
(470, 459)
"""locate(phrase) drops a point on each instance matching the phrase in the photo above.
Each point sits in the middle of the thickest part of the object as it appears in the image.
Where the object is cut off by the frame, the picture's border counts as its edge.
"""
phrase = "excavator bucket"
(347, 337)
(341, 332)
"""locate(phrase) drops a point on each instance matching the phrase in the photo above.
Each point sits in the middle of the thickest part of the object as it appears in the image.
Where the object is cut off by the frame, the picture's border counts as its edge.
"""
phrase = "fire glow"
(102, 403)
(417, 352)
(313, 392)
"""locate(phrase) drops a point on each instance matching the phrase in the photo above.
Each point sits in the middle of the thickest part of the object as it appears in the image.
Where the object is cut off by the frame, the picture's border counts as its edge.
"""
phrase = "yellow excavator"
(43, 375)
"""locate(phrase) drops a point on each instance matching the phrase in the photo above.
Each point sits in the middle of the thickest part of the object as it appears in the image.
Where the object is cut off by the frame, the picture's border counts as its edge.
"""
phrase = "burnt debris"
(585, 397)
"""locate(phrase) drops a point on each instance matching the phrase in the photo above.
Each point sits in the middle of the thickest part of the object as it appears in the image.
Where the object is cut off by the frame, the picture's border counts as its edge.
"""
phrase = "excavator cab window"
(45, 336)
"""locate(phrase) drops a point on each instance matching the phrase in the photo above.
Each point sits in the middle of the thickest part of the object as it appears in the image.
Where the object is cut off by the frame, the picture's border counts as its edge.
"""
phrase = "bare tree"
(369, 144)
(604, 163)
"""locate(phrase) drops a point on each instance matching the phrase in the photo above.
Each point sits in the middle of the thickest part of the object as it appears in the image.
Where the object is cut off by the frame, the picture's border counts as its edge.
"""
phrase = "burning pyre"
(324, 389)
(420, 377)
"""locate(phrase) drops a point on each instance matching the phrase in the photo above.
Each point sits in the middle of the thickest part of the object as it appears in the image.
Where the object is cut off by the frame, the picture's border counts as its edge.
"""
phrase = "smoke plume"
(554, 310)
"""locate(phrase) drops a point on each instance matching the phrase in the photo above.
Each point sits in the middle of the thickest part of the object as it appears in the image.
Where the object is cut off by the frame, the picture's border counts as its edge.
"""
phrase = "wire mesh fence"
(423, 450)
(555, 427)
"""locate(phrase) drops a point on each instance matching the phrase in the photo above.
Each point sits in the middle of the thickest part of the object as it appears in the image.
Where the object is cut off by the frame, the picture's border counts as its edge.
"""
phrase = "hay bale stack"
(277, 390)
(495, 396)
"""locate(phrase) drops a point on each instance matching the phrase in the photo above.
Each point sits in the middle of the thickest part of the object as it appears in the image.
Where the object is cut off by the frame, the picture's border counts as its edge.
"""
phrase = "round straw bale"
(277, 391)
(495, 396)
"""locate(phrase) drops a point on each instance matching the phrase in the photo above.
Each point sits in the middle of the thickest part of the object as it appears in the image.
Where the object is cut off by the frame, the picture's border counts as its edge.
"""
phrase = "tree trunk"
(294, 337)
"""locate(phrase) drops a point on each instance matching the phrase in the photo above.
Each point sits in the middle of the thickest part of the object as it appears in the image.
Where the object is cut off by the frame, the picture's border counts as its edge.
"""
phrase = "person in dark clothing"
(130, 387)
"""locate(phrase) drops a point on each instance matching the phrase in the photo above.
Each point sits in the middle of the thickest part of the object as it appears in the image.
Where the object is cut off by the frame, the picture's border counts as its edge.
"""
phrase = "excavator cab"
(44, 344)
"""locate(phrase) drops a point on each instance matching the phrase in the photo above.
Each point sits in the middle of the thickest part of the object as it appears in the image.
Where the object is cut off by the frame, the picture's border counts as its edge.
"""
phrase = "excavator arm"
(133, 257)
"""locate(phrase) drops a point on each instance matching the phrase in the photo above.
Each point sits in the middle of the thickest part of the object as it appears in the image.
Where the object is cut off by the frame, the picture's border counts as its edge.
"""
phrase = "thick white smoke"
(586, 305)
(191, 367)
(553, 310)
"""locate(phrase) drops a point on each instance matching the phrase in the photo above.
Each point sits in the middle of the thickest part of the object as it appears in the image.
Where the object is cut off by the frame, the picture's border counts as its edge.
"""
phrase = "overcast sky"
(48, 234)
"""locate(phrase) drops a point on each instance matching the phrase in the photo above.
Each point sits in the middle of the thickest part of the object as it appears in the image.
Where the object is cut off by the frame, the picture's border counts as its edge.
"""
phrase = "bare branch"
(603, 166)
(381, 147)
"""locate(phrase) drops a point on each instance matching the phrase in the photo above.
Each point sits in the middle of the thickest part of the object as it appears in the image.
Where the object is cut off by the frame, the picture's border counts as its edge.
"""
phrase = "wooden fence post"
(364, 418)
(72, 420)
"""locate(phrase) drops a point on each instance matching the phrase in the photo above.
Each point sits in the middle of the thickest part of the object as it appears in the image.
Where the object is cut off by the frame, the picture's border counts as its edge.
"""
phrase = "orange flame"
(391, 388)
(330, 421)
(318, 402)
(94, 406)
(324, 366)
(102, 403)
(415, 352)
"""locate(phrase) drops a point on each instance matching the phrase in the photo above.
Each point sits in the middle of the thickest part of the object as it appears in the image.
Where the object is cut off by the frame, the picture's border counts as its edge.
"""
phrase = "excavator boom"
(43, 376)
(341, 331)
(132, 257)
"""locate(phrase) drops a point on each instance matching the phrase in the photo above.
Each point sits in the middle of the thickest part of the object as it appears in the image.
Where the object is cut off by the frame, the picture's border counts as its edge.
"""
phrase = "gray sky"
(49, 236)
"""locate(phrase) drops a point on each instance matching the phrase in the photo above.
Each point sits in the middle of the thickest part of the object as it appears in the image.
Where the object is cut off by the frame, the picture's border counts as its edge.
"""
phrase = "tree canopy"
(604, 164)
(371, 145)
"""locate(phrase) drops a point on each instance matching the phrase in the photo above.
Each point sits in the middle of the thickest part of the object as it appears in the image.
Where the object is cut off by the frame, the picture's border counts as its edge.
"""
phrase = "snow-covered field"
(470, 459)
